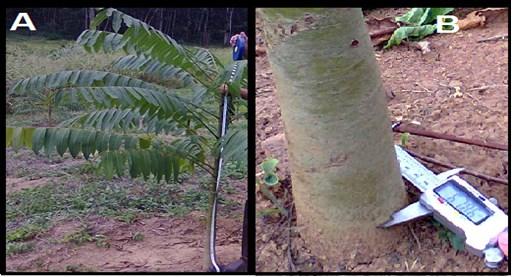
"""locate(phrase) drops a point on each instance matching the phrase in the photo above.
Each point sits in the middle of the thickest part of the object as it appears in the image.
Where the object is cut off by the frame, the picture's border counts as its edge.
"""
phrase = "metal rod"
(223, 128)
(466, 171)
(401, 128)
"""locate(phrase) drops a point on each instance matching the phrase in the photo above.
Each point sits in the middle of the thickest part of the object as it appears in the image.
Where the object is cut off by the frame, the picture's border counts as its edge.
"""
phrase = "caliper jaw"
(412, 212)
(447, 174)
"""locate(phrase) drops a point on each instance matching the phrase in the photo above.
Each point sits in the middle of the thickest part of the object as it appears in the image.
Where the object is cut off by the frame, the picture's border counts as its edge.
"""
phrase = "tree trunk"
(152, 13)
(189, 28)
(229, 23)
(346, 179)
(226, 27)
(173, 21)
(199, 24)
(205, 29)
(91, 16)
(54, 20)
(161, 20)
(147, 15)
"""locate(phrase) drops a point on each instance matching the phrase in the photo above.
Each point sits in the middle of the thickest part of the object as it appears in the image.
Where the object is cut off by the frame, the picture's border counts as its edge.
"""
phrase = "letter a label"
(27, 22)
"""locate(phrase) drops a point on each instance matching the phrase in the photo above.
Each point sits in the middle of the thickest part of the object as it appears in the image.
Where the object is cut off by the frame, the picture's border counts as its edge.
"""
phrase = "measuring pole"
(224, 114)
(223, 126)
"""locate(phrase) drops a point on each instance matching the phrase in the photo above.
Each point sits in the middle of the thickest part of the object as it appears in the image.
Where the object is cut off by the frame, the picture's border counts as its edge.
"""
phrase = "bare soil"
(166, 245)
(421, 88)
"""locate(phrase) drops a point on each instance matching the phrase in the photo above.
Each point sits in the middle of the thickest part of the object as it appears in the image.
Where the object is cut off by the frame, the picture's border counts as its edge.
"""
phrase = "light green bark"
(345, 176)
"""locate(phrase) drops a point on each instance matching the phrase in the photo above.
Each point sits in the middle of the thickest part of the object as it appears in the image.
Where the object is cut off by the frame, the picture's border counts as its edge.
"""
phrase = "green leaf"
(417, 20)
(119, 163)
(154, 68)
(436, 224)
(116, 22)
(404, 138)
(456, 242)
(140, 38)
(105, 123)
(135, 164)
(49, 141)
(403, 33)
(269, 165)
(166, 111)
(431, 16)
(144, 143)
(8, 136)
(443, 235)
(155, 165)
(28, 133)
(422, 16)
(38, 139)
(271, 180)
(99, 42)
(107, 164)
(74, 142)
(234, 144)
(88, 143)
(412, 17)
(61, 138)
(80, 78)
(100, 17)
(175, 169)
(115, 142)
(102, 139)
(130, 142)
(17, 138)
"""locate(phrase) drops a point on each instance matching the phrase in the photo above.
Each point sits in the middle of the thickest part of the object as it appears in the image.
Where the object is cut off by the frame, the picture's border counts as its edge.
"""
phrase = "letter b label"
(443, 23)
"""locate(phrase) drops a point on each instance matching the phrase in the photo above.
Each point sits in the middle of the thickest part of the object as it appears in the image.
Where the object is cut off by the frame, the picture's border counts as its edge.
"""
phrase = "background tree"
(345, 176)
(201, 26)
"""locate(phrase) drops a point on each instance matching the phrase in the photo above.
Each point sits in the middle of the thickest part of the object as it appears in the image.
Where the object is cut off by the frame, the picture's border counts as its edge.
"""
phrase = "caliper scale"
(456, 204)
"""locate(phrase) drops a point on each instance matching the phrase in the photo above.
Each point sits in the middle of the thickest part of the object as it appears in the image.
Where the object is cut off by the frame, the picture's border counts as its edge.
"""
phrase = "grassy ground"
(224, 54)
(29, 56)
(71, 189)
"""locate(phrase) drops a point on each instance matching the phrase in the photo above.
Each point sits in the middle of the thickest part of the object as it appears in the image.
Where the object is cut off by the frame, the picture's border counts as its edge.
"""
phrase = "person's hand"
(223, 89)
(235, 37)
(503, 242)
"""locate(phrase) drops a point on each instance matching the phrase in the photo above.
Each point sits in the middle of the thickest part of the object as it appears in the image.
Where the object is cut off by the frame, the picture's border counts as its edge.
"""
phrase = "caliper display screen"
(464, 202)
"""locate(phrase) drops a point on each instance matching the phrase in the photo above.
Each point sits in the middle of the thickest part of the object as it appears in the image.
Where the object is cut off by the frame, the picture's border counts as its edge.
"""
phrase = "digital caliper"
(456, 204)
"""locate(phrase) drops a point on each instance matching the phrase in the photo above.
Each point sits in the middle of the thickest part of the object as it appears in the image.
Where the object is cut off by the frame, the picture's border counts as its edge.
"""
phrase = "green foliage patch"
(444, 234)
(270, 177)
(419, 24)
(25, 232)
(13, 248)
(125, 202)
(127, 104)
